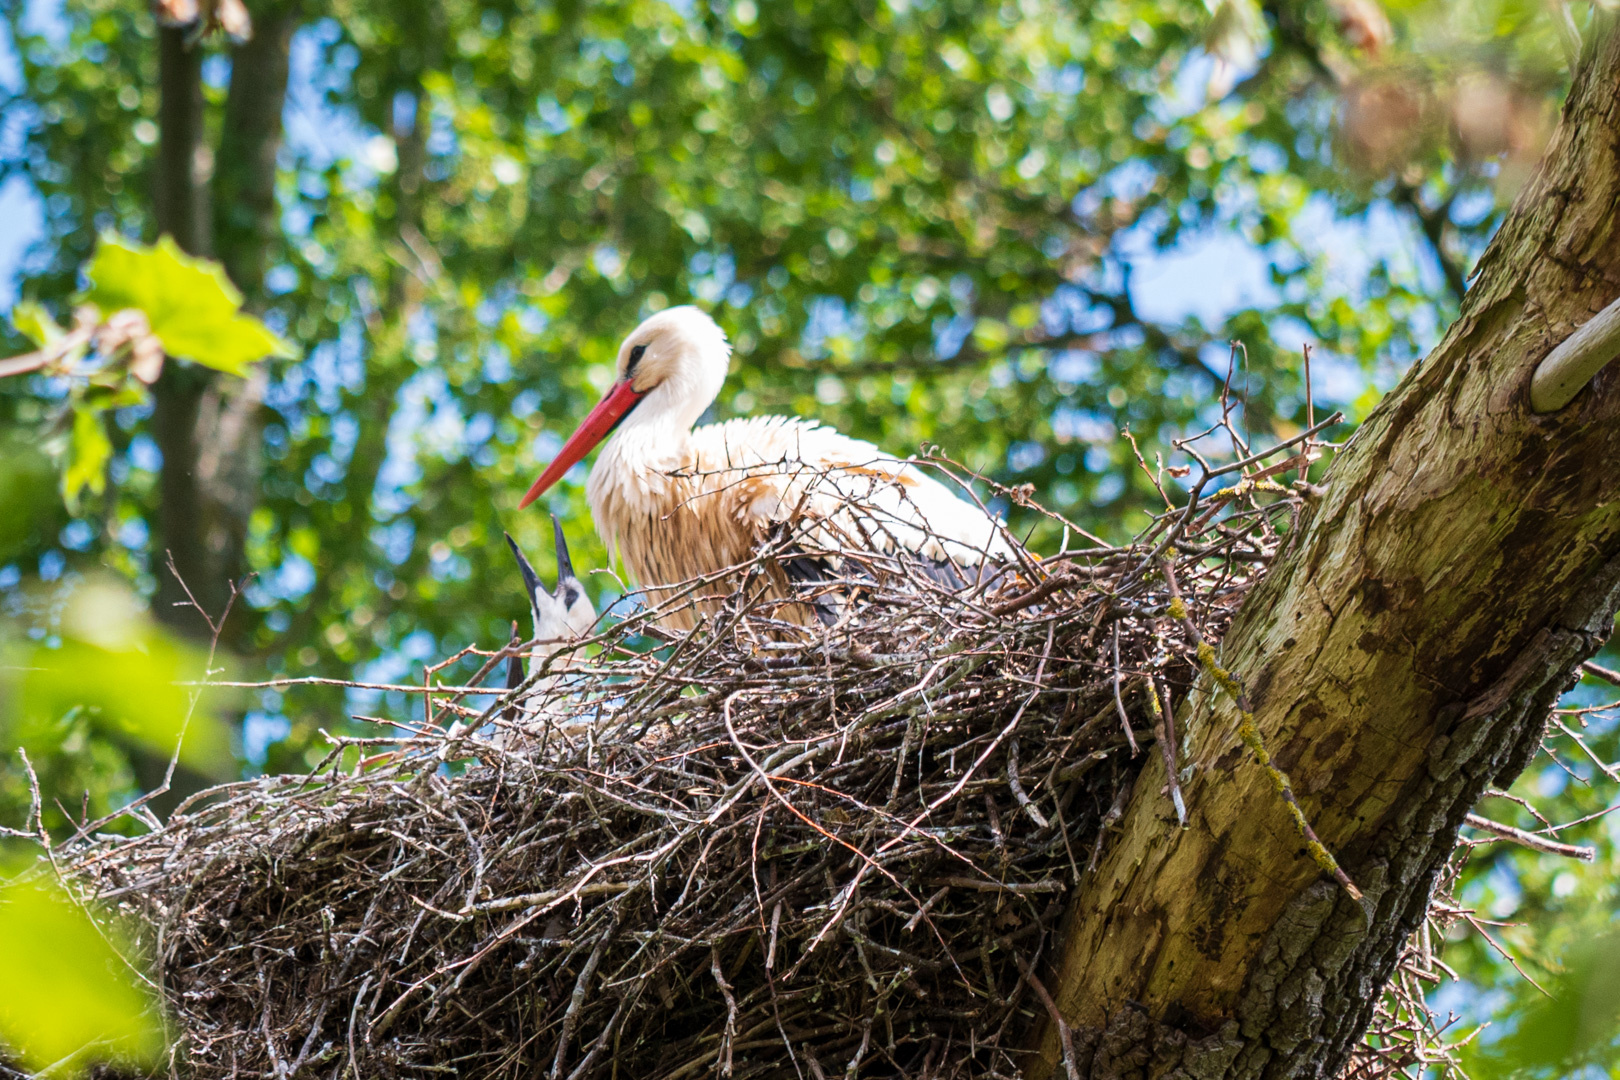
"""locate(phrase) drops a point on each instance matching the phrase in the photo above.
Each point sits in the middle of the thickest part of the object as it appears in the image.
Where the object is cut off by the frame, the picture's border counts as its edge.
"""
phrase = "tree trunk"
(245, 220)
(180, 199)
(1401, 658)
(185, 163)
(246, 226)
(209, 428)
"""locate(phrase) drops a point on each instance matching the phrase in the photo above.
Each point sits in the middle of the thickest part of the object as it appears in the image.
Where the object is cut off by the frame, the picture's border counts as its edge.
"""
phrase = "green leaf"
(35, 323)
(114, 660)
(27, 491)
(88, 454)
(189, 303)
(1576, 1025)
(66, 995)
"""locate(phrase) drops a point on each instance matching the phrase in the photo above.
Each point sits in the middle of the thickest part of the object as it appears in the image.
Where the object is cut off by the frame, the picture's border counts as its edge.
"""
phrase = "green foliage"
(918, 221)
(143, 303)
(1575, 1023)
(76, 706)
(25, 482)
(70, 997)
(113, 663)
(852, 188)
(35, 323)
(89, 452)
(189, 304)
(105, 686)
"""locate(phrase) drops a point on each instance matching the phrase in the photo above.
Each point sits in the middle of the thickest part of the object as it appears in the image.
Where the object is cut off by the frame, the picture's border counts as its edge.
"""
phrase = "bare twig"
(1119, 700)
(1531, 840)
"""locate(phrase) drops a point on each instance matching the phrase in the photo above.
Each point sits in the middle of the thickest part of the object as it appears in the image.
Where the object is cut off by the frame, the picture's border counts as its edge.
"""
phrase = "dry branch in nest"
(759, 850)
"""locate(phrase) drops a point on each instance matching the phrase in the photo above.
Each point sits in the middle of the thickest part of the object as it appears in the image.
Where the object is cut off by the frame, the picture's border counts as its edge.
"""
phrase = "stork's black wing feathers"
(812, 575)
(807, 572)
(514, 678)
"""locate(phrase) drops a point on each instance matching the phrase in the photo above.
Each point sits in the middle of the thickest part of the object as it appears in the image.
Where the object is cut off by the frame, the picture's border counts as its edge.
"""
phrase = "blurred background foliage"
(57, 954)
(1013, 230)
(95, 696)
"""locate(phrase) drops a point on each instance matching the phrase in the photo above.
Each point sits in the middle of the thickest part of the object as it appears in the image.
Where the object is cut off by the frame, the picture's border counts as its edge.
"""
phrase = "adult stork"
(679, 503)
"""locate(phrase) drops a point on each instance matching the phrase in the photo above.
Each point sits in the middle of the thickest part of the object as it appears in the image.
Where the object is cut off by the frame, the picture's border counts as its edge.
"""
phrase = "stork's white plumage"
(678, 503)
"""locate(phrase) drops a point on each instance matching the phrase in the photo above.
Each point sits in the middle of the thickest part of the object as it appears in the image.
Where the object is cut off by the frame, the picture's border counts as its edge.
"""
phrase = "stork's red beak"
(620, 399)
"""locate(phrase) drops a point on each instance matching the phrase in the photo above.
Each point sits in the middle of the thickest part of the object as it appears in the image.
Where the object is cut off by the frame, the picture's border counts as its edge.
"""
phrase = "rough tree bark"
(1402, 657)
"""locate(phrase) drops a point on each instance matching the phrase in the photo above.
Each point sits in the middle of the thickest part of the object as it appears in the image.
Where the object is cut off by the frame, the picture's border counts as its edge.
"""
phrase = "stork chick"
(560, 617)
(679, 503)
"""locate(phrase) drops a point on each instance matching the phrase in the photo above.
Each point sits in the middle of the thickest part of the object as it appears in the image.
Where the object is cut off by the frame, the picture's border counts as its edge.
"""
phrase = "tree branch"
(1391, 673)
(1435, 223)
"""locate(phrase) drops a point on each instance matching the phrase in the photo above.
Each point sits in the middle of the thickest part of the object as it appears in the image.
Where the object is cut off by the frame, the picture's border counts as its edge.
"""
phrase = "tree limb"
(1402, 657)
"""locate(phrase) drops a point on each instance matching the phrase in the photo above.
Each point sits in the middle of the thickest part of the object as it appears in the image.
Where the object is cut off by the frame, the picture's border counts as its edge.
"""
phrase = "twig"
(1167, 744)
(1249, 732)
(1608, 675)
(1065, 1035)
(1119, 700)
(730, 1035)
(576, 1000)
(1531, 840)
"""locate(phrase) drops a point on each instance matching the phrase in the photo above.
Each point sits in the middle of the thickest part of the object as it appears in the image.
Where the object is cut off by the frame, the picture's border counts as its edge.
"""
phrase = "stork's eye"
(570, 595)
(635, 358)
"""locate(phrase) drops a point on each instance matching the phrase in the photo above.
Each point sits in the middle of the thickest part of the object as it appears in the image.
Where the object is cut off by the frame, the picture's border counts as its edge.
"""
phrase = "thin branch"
(1531, 840)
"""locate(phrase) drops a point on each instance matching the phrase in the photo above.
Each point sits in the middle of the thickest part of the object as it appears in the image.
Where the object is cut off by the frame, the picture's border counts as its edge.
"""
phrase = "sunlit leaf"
(67, 998)
(115, 661)
(35, 323)
(89, 450)
(189, 303)
(27, 491)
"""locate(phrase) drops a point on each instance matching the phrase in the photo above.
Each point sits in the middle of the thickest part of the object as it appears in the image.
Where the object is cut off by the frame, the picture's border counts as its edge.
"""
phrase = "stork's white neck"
(639, 462)
(657, 432)
(680, 355)
(675, 404)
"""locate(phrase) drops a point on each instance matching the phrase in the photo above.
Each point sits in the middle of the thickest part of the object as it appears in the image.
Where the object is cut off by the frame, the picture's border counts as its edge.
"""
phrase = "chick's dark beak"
(531, 581)
(565, 565)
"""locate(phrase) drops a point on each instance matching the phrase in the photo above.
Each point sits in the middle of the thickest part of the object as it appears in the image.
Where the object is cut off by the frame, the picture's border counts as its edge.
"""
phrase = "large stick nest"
(758, 849)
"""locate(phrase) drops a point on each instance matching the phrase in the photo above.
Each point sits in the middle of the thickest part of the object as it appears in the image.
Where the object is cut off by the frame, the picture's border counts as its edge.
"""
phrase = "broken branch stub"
(1576, 361)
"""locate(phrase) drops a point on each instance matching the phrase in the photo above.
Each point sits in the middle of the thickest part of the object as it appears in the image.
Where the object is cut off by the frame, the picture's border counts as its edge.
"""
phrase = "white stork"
(679, 503)
(561, 616)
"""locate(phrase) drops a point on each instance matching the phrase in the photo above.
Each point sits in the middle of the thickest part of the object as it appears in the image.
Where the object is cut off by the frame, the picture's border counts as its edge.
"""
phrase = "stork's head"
(669, 370)
(565, 613)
